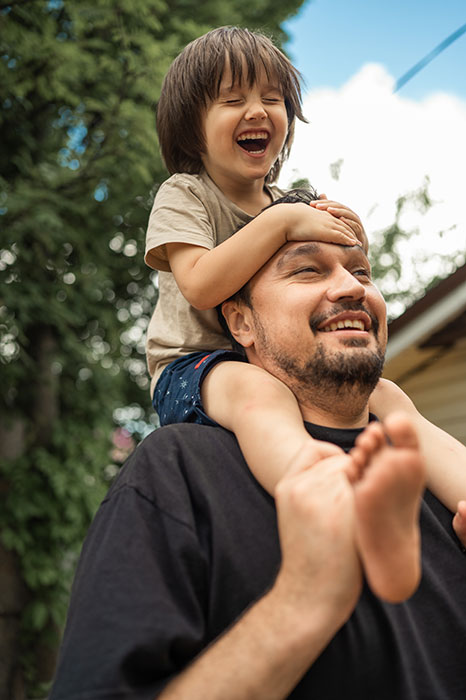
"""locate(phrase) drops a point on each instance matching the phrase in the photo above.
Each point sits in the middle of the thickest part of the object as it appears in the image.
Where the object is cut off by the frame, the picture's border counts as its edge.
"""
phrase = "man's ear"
(238, 318)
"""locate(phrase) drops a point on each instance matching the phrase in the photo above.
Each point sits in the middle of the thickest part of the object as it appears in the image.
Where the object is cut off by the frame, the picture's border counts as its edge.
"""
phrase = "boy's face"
(245, 129)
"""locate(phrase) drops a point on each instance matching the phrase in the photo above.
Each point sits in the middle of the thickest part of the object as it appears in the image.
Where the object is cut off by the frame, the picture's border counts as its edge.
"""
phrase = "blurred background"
(385, 97)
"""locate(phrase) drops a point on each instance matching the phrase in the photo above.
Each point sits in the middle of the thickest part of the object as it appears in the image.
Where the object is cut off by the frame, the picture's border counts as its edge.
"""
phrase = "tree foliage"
(79, 164)
(400, 266)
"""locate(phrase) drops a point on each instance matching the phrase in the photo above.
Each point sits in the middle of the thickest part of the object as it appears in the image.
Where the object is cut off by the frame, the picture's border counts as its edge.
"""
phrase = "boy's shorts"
(177, 394)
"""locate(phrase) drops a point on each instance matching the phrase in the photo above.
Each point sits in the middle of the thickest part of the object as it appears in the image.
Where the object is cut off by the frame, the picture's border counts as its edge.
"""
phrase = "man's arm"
(266, 652)
(137, 622)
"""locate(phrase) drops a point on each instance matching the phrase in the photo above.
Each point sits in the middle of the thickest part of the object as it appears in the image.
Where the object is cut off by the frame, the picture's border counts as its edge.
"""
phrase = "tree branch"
(12, 3)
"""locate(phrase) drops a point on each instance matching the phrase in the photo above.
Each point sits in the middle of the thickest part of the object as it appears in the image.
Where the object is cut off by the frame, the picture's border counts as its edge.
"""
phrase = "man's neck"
(342, 409)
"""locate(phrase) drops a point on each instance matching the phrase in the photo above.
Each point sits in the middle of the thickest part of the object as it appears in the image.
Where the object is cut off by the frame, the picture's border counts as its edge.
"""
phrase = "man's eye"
(304, 270)
(362, 273)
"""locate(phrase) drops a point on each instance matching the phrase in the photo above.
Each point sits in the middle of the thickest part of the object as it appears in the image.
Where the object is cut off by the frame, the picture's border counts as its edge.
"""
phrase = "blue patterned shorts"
(177, 394)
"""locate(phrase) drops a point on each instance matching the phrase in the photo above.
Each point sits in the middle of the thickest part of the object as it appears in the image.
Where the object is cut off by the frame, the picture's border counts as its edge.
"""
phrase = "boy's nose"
(256, 110)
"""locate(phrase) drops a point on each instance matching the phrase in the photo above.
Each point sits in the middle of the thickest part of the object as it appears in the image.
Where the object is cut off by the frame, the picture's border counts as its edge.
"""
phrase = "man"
(190, 586)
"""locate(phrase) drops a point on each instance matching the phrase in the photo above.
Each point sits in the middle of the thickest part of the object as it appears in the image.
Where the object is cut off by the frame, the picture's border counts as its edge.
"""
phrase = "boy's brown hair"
(193, 80)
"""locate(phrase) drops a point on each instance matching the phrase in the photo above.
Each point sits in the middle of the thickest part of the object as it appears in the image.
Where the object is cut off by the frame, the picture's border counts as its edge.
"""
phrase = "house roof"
(437, 319)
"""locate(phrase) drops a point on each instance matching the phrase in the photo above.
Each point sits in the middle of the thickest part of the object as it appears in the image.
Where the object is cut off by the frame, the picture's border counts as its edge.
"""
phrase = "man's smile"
(352, 317)
(354, 320)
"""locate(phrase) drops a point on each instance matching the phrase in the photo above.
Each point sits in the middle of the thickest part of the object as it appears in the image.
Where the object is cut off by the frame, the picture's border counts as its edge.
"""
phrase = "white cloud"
(388, 145)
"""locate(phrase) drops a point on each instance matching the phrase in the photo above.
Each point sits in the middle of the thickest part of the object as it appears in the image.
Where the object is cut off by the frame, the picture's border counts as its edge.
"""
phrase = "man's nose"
(255, 110)
(345, 285)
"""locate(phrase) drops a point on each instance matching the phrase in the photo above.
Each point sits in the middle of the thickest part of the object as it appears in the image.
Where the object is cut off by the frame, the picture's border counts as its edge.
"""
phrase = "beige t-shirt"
(187, 209)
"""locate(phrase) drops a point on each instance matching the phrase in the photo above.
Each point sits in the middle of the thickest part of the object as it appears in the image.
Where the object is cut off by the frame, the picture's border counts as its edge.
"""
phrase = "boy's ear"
(238, 319)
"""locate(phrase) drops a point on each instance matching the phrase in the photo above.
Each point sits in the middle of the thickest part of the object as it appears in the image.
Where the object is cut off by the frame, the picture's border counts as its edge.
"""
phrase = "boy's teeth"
(253, 136)
(253, 142)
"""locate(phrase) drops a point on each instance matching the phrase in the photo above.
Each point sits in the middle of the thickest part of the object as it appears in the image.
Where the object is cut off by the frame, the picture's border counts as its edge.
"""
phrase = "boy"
(225, 123)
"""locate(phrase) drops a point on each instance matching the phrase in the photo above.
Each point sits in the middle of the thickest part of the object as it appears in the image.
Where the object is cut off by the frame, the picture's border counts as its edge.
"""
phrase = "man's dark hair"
(193, 80)
(243, 296)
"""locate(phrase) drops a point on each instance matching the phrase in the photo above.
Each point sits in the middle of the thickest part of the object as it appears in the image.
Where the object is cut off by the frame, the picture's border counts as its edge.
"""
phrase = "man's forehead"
(290, 252)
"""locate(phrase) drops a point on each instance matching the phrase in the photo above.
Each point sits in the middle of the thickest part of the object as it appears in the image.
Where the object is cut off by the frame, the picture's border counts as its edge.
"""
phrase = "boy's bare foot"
(388, 485)
(459, 522)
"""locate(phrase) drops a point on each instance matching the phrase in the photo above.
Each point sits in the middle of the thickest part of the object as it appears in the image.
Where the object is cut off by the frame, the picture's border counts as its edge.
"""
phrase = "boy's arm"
(267, 651)
(445, 457)
(208, 277)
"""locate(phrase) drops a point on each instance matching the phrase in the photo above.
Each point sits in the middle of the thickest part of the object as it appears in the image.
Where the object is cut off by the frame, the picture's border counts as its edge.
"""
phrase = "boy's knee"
(242, 379)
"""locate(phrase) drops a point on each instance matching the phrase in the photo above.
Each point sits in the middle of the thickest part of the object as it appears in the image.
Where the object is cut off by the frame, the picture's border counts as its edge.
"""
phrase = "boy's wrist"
(276, 221)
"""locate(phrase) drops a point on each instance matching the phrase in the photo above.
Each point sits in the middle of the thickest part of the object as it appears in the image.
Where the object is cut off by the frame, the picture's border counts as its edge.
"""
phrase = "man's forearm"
(267, 651)
(261, 657)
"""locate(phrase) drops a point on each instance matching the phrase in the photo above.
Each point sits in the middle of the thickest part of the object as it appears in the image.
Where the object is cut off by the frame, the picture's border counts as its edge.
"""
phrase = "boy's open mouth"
(254, 142)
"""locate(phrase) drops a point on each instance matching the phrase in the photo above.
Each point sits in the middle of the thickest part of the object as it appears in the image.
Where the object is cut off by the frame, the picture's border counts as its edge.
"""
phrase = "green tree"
(78, 168)
(400, 267)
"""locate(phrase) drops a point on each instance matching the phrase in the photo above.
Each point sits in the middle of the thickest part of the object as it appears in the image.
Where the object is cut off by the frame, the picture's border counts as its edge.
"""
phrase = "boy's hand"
(305, 223)
(345, 214)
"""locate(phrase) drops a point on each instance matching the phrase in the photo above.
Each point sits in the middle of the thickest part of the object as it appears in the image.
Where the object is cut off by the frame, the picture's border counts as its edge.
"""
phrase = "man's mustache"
(316, 321)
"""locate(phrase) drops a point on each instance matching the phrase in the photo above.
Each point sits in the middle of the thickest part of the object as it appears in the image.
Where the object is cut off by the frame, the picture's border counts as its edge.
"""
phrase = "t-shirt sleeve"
(136, 614)
(179, 215)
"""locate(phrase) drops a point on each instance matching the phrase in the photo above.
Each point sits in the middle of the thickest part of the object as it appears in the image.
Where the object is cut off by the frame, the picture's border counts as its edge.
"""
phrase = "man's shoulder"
(184, 433)
(177, 453)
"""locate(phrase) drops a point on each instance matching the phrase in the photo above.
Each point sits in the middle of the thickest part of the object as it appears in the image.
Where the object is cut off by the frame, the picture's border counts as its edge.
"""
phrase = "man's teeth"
(347, 323)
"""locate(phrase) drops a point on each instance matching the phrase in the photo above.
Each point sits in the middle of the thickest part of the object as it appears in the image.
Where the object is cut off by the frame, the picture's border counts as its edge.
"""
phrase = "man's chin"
(353, 366)
(355, 342)
(333, 340)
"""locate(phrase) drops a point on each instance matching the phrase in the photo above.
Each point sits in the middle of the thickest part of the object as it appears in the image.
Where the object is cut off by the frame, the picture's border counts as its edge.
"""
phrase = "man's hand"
(320, 565)
(459, 522)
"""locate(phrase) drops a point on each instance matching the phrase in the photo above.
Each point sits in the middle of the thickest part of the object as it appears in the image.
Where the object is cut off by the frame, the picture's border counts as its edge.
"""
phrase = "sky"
(383, 144)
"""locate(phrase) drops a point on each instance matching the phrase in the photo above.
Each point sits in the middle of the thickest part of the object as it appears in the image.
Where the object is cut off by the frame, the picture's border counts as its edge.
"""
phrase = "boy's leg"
(445, 457)
(177, 397)
(388, 490)
(266, 419)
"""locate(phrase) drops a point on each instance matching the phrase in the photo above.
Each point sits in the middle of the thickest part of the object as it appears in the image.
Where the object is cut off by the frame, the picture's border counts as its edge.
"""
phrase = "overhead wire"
(428, 58)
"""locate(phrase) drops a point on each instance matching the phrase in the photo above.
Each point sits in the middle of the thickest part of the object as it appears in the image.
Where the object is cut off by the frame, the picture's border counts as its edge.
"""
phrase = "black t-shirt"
(185, 541)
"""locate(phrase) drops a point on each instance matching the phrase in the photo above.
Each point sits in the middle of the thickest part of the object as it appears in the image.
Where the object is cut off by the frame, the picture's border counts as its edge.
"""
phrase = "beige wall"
(435, 379)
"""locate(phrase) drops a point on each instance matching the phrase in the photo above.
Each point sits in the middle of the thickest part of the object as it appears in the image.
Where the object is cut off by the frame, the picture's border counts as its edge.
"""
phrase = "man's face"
(317, 318)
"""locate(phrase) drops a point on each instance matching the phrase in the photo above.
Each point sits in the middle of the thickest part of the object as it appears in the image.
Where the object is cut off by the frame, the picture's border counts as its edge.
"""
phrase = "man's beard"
(326, 372)
(335, 372)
